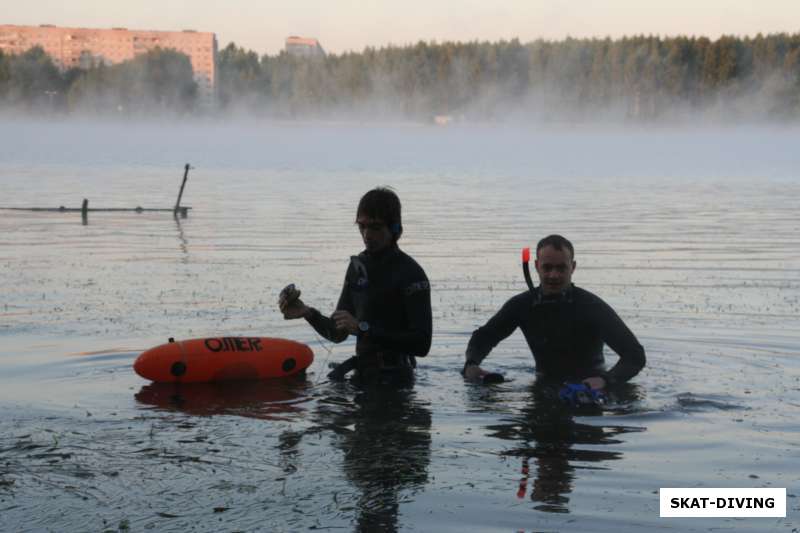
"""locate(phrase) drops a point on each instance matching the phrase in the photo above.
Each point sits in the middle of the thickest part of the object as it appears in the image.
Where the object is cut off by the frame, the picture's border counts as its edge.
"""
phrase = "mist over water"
(533, 151)
(690, 234)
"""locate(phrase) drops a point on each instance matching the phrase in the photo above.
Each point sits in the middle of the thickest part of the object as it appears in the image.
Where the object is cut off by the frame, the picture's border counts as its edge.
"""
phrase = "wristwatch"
(363, 328)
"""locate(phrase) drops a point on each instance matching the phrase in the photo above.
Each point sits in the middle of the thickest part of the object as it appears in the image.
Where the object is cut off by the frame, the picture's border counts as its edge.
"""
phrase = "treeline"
(639, 78)
(636, 77)
(156, 82)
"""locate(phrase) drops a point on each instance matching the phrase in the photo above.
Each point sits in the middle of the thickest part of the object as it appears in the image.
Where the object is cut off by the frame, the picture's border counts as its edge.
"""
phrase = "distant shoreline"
(629, 80)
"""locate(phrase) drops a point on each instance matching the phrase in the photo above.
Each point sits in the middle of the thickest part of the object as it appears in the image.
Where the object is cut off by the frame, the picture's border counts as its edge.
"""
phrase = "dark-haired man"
(385, 301)
(565, 326)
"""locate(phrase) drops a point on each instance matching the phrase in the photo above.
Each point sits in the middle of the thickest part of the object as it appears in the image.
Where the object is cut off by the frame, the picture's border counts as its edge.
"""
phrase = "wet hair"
(558, 242)
(382, 203)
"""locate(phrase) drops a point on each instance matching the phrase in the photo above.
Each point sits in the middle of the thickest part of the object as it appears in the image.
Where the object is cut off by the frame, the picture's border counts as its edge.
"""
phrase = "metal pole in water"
(185, 175)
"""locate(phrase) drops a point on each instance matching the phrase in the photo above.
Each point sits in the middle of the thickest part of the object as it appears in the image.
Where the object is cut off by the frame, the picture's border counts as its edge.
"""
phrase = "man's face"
(375, 233)
(555, 268)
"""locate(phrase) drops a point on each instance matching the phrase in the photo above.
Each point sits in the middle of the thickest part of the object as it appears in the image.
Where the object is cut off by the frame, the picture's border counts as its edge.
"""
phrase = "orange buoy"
(223, 359)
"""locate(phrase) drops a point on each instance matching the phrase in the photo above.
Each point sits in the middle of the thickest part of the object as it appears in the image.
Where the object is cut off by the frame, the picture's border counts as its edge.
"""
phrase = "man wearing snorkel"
(385, 301)
(565, 326)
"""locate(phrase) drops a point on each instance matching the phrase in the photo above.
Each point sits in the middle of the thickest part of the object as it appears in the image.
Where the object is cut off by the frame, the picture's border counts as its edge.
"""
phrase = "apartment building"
(303, 47)
(84, 47)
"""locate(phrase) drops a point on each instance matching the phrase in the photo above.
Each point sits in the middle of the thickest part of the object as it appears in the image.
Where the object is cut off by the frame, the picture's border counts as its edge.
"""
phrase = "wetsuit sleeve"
(500, 326)
(619, 338)
(415, 338)
(324, 325)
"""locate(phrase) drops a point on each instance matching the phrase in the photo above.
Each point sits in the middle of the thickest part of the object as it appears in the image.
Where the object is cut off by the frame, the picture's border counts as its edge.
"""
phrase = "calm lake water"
(691, 235)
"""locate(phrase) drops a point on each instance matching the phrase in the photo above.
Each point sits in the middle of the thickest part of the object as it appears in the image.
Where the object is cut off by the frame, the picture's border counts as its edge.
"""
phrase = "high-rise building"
(85, 47)
(303, 47)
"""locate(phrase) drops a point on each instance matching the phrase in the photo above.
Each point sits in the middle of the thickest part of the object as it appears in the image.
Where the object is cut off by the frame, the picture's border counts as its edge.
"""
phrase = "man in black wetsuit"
(565, 326)
(385, 301)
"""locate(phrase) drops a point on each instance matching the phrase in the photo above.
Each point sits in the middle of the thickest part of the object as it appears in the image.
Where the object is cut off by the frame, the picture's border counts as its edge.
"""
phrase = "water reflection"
(385, 439)
(384, 436)
(265, 399)
(551, 445)
(184, 244)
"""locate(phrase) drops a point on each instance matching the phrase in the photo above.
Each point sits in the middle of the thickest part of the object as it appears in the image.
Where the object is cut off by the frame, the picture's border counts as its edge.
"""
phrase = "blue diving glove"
(581, 395)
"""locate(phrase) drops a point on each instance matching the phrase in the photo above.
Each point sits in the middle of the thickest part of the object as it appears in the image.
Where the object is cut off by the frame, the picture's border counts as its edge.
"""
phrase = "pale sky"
(343, 25)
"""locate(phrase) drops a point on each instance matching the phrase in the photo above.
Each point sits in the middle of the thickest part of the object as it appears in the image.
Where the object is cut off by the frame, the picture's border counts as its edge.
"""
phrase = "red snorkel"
(526, 259)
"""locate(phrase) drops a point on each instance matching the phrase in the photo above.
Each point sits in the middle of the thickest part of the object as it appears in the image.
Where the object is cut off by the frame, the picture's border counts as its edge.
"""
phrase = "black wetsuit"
(565, 333)
(390, 292)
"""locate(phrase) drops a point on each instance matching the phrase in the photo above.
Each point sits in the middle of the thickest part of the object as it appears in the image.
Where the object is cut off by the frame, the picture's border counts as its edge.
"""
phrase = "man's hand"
(291, 305)
(345, 321)
(595, 382)
(474, 373)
